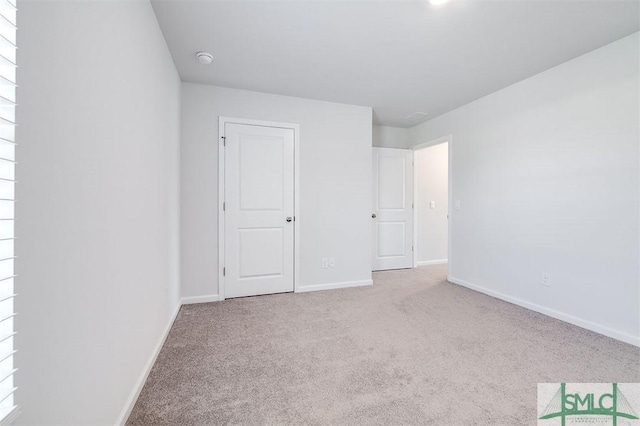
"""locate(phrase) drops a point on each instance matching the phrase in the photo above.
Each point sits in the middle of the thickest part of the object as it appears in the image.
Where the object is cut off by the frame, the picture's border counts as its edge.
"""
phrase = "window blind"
(8, 13)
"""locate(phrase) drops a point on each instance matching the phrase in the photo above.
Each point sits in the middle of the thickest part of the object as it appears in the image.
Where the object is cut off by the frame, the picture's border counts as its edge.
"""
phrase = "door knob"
(289, 219)
(373, 215)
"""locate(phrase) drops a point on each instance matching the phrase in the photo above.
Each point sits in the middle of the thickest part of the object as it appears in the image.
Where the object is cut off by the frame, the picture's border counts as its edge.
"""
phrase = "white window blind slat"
(7, 134)
(6, 102)
(6, 265)
(6, 232)
(6, 347)
(6, 326)
(8, 9)
(7, 69)
(8, 336)
(8, 49)
(6, 397)
(8, 413)
(7, 26)
(6, 293)
(8, 30)
(8, 82)
(7, 374)
(7, 110)
(8, 114)
(6, 212)
(9, 391)
(6, 308)
(7, 150)
(7, 190)
(2, 320)
(7, 86)
(5, 363)
(7, 170)
(6, 39)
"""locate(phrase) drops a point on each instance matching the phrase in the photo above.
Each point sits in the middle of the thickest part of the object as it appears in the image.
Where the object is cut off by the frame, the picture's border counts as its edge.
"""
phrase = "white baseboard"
(431, 262)
(301, 289)
(333, 286)
(133, 397)
(580, 322)
(200, 299)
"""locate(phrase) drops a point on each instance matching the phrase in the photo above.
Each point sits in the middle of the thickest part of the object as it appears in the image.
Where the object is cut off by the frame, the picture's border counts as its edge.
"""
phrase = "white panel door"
(259, 210)
(392, 208)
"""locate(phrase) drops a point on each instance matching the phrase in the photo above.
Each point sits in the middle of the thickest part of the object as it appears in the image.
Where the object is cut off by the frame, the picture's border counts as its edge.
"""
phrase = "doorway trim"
(443, 139)
(222, 121)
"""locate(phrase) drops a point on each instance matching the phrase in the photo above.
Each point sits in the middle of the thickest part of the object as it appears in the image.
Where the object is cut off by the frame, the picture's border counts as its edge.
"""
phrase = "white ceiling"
(399, 57)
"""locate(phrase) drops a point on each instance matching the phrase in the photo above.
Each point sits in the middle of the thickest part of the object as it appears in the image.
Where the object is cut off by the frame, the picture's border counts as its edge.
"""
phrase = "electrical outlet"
(432, 205)
(325, 263)
(457, 205)
(546, 279)
(332, 262)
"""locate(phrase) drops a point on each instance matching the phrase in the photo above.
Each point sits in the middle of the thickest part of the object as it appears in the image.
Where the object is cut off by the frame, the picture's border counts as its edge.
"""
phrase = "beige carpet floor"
(412, 349)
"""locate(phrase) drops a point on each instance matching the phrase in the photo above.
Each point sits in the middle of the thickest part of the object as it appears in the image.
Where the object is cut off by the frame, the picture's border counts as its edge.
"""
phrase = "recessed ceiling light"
(438, 2)
(204, 58)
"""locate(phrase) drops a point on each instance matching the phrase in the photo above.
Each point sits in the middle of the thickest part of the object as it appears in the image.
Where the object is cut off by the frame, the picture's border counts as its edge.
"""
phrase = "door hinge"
(411, 205)
(224, 206)
(411, 248)
(224, 271)
(224, 140)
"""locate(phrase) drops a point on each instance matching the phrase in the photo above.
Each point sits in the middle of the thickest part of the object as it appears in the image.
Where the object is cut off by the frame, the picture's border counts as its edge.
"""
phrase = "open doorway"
(431, 197)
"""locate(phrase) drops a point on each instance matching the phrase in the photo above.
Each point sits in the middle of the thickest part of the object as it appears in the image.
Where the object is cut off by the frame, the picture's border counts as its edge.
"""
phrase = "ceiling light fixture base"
(204, 58)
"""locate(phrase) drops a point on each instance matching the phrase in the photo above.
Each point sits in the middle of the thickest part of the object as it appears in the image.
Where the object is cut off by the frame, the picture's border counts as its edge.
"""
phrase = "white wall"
(98, 202)
(547, 175)
(391, 137)
(432, 168)
(335, 183)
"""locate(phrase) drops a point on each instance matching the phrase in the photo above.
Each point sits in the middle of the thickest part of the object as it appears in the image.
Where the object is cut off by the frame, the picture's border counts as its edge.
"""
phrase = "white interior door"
(259, 210)
(392, 208)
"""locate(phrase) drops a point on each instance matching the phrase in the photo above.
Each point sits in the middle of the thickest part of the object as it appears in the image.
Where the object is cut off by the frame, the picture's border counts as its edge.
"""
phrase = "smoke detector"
(204, 58)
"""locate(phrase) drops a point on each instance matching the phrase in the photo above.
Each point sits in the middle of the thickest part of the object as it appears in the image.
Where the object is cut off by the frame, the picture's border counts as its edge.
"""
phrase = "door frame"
(448, 139)
(222, 121)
